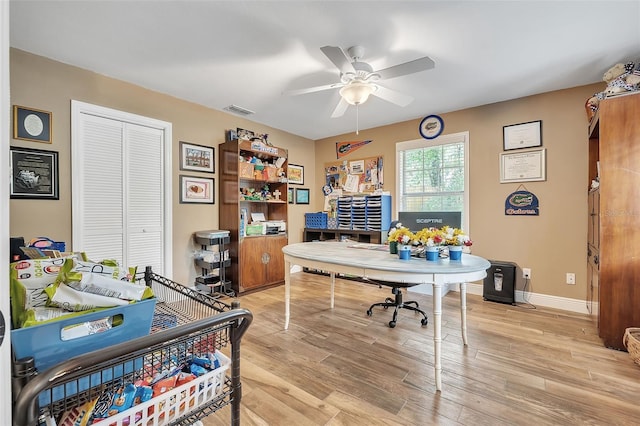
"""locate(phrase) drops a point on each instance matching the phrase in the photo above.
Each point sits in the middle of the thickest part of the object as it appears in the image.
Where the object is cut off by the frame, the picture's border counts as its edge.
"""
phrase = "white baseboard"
(556, 302)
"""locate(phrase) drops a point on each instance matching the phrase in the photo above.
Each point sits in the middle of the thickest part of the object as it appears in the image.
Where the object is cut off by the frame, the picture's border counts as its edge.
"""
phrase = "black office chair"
(398, 303)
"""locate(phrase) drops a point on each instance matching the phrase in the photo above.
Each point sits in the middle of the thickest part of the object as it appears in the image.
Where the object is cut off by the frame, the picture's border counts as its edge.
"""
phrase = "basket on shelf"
(631, 341)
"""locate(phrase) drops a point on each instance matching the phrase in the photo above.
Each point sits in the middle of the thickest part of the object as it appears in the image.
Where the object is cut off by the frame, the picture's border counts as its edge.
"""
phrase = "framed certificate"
(523, 166)
(523, 135)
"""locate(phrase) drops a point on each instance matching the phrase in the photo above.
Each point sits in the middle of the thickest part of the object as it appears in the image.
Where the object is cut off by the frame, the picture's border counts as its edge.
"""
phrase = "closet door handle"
(265, 258)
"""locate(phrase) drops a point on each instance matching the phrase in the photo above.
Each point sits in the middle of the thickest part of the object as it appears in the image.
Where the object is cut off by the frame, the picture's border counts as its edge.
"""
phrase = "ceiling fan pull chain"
(357, 119)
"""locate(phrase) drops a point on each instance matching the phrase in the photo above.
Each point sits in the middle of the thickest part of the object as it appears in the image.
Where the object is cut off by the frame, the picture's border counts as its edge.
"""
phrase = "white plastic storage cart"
(213, 260)
(185, 321)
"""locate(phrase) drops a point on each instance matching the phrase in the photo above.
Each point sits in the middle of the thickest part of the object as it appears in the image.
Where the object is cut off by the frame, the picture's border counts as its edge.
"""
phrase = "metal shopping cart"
(185, 322)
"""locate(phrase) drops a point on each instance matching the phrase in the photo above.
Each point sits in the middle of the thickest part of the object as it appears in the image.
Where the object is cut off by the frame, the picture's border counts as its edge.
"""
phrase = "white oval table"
(376, 263)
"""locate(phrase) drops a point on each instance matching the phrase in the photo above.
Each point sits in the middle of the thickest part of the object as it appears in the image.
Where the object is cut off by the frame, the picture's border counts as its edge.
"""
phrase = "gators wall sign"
(521, 203)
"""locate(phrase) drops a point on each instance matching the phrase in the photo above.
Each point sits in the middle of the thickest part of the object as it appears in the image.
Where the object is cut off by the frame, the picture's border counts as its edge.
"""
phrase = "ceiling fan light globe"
(356, 93)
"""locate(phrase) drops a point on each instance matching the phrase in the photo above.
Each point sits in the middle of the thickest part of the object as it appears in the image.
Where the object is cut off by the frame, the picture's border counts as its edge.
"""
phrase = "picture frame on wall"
(196, 190)
(197, 158)
(523, 166)
(296, 174)
(290, 195)
(302, 196)
(522, 135)
(34, 174)
(31, 124)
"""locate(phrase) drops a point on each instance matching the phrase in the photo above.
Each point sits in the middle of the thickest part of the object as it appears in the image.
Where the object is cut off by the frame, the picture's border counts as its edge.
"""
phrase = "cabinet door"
(275, 266)
(251, 263)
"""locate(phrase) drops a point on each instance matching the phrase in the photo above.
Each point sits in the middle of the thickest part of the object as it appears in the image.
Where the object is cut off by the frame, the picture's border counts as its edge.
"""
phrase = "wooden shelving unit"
(257, 261)
(614, 236)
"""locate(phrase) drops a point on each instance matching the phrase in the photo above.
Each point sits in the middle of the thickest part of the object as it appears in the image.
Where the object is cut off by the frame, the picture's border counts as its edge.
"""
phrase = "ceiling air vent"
(238, 110)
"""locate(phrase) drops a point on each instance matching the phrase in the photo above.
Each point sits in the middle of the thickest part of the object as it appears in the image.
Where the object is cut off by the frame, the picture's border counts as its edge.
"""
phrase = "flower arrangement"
(455, 237)
(401, 235)
(430, 237)
(445, 236)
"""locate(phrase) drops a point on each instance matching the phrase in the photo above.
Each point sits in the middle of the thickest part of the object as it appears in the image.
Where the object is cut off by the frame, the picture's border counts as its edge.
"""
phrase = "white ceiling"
(246, 53)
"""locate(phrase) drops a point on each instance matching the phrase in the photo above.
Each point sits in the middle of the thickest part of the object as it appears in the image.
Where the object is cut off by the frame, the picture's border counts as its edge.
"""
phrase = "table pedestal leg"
(333, 286)
(463, 311)
(287, 292)
(437, 332)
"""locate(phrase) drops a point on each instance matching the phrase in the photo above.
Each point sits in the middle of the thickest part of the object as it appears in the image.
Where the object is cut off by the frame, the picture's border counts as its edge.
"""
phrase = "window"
(432, 175)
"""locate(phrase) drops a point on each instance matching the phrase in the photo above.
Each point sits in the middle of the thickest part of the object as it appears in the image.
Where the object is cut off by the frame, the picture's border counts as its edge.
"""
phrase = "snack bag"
(63, 296)
(41, 315)
(105, 286)
(27, 280)
(78, 416)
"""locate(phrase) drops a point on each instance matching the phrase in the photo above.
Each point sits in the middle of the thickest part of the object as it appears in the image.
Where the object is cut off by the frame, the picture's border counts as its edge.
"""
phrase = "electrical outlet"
(526, 273)
(571, 278)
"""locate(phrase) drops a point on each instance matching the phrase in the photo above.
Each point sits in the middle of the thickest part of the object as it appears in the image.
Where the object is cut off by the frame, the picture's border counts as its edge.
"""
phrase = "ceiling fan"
(358, 80)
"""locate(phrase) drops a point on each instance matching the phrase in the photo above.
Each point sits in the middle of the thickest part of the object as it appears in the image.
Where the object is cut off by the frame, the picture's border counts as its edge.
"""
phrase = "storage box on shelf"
(257, 260)
(315, 220)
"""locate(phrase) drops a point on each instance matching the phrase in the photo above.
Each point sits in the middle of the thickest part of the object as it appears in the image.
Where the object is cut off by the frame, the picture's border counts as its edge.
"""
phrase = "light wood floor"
(523, 366)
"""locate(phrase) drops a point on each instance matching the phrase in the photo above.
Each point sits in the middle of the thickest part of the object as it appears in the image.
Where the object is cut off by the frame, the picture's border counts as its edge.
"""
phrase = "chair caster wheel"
(424, 321)
(369, 313)
(392, 324)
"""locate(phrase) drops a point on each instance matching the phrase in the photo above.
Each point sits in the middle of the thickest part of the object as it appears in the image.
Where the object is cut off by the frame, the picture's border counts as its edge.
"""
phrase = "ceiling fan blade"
(312, 89)
(392, 96)
(340, 108)
(339, 58)
(410, 67)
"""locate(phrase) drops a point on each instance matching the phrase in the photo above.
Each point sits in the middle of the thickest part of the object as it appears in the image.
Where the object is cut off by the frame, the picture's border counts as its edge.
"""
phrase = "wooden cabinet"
(263, 261)
(257, 261)
(615, 146)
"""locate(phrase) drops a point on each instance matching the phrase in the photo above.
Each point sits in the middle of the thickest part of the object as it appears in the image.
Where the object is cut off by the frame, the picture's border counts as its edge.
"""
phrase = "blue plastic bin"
(44, 342)
(315, 220)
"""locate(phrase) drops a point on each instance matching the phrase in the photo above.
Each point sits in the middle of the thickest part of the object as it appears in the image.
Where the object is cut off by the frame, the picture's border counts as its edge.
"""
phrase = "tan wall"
(44, 84)
(552, 243)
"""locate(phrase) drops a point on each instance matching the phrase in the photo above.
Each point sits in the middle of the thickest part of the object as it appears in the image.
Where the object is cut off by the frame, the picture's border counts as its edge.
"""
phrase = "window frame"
(428, 143)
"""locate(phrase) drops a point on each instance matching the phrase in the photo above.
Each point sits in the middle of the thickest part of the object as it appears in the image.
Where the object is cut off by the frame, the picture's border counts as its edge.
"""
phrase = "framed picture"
(296, 174)
(195, 189)
(197, 158)
(31, 124)
(523, 135)
(524, 166)
(302, 196)
(290, 196)
(34, 174)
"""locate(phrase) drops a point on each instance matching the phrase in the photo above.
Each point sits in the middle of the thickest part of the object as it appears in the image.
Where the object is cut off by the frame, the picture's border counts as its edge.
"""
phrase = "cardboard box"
(246, 170)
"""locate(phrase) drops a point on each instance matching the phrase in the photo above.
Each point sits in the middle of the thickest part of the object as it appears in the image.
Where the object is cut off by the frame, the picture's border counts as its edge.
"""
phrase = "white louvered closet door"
(118, 192)
(144, 196)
